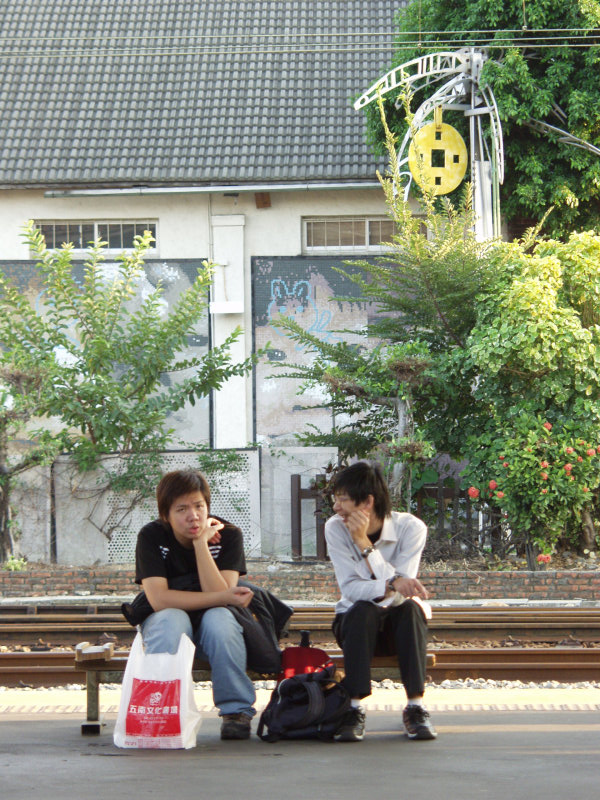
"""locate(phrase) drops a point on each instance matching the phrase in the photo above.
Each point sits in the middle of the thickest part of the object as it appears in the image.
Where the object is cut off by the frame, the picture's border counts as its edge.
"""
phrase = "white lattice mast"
(459, 74)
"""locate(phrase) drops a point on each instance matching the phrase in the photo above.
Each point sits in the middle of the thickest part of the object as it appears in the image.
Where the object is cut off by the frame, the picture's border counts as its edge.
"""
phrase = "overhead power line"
(206, 45)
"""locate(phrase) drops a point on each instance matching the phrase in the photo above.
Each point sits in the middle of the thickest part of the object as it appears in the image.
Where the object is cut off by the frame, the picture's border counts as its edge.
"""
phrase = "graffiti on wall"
(304, 289)
(174, 276)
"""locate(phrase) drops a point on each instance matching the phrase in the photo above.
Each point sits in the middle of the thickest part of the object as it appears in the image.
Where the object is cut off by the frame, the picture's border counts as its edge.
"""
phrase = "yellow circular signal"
(437, 157)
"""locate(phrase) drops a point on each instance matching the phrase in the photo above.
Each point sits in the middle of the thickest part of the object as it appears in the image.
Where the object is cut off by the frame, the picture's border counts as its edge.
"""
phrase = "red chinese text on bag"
(153, 709)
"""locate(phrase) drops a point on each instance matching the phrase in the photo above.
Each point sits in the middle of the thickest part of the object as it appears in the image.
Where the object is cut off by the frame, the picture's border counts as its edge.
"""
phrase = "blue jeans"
(219, 640)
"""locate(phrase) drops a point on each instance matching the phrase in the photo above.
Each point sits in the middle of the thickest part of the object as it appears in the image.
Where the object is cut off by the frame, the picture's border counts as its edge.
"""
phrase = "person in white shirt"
(376, 554)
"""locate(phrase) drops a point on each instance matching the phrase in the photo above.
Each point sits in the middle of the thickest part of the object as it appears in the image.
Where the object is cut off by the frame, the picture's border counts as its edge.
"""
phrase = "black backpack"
(307, 706)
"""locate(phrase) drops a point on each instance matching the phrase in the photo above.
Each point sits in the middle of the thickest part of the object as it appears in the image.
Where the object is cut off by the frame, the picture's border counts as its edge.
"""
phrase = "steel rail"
(572, 664)
(64, 626)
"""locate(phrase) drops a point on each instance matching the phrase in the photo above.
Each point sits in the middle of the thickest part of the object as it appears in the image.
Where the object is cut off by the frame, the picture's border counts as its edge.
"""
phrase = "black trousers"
(366, 630)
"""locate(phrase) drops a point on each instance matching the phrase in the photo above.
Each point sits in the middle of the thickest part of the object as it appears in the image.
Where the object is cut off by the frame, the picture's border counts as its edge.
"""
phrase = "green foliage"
(103, 363)
(94, 359)
(503, 338)
(557, 85)
(542, 476)
(534, 361)
(14, 564)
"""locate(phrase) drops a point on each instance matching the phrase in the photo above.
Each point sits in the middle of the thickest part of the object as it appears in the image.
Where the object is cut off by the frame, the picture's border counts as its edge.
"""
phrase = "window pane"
(60, 234)
(74, 235)
(309, 234)
(87, 233)
(318, 234)
(128, 234)
(347, 228)
(83, 233)
(380, 231)
(115, 241)
(332, 233)
(48, 233)
(141, 228)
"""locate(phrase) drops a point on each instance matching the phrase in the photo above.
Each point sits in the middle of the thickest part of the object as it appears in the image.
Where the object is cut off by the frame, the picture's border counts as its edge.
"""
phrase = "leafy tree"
(533, 359)
(424, 292)
(506, 338)
(543, 65)
(94, 365)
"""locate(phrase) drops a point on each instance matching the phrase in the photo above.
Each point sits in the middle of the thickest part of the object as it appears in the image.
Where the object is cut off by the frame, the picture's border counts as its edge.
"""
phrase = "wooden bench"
(101, 665)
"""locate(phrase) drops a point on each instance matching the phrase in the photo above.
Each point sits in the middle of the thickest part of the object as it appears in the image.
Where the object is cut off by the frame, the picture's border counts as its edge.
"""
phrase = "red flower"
(579, 458)
(591, 452)
(544, 491)
(473, 492)
(544, 476)
(548, 426)
(492, 484)
(569, 450)
(501, 458)
(500, 495)
(568, 467)
(544, 558)
(505, 464)
(544, 464)
(585, 489)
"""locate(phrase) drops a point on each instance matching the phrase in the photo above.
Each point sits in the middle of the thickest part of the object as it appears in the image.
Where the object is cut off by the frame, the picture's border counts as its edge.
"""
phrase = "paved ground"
(493, 744)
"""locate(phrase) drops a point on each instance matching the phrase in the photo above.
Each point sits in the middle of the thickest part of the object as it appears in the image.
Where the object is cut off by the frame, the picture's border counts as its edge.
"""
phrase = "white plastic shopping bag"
(157, 708)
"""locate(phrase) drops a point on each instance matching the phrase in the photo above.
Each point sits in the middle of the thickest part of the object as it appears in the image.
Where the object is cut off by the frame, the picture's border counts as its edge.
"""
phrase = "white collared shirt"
(397, 552)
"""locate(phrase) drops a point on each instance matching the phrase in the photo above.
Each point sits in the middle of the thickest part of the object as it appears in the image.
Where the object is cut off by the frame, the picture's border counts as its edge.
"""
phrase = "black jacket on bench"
(264, 621)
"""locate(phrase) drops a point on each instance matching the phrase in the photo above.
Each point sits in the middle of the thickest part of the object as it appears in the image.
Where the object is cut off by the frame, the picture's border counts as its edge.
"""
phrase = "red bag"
(303, 659)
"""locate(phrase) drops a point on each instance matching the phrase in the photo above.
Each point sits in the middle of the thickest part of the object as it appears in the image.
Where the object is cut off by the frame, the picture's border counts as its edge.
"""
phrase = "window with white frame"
(119, 234)
(346, 234)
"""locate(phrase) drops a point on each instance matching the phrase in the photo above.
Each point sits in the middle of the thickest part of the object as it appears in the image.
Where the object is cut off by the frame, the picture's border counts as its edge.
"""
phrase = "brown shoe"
(235, 726)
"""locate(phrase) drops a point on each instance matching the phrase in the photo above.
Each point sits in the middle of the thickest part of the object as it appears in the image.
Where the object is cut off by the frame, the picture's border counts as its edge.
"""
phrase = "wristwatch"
(390, 584)
(367, 550)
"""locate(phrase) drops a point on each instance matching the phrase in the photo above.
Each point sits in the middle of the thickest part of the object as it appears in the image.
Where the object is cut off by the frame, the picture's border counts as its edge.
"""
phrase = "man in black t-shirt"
(185, 542)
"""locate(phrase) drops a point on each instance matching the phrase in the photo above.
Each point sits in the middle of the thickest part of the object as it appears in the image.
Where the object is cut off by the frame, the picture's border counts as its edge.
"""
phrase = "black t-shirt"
(159, 554)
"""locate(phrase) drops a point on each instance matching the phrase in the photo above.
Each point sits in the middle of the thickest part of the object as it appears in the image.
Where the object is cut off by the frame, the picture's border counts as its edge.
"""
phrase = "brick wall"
(311, 582)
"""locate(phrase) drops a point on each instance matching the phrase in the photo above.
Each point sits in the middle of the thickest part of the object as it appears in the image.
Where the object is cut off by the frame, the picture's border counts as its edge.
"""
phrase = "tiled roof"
(163, 92)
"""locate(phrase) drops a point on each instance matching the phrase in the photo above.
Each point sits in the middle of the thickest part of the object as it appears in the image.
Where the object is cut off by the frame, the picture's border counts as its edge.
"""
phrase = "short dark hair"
(177, 483)
(359, 481)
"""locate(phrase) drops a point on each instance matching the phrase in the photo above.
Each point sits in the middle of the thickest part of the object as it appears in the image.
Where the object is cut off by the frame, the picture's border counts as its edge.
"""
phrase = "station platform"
(491, 754)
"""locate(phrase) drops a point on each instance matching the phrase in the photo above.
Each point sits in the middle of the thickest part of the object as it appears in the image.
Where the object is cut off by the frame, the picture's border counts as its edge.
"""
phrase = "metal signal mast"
(461, 90)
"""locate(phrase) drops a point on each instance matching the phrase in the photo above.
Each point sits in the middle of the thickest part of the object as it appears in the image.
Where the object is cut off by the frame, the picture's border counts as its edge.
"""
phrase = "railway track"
(564, 664)
(522, 631)
(59, 626)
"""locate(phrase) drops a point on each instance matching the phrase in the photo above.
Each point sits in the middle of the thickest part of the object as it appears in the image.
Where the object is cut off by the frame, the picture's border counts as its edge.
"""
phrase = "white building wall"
(218, 226)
